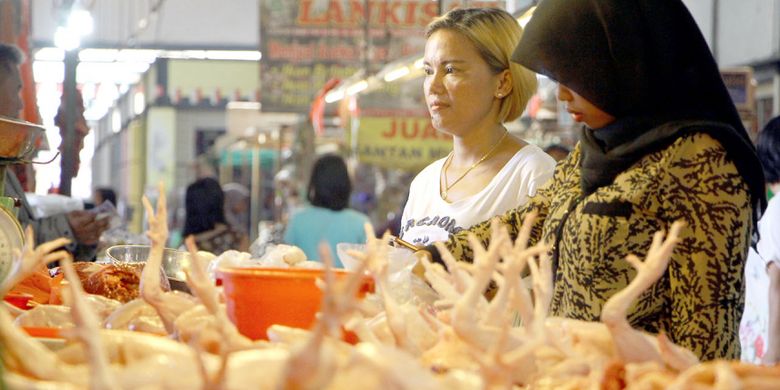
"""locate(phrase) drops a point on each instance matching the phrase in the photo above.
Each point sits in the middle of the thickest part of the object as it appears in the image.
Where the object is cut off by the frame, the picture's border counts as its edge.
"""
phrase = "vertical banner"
(160, 163)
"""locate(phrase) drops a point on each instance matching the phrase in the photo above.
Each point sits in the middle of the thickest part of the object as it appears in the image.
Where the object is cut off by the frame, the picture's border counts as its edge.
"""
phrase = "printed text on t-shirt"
(446, 223)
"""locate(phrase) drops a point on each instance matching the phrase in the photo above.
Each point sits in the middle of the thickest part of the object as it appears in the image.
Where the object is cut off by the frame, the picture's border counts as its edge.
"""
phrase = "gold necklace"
(447, 163)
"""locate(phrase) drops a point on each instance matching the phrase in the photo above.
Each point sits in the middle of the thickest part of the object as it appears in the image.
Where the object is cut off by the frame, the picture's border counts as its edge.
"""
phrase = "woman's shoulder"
(698, 140)
(432, 170)
(573, 159)
(220, 239)
(772, 214)
(218, 229)
(304, 213)
(299, 212)
(695, 145)
(774, 205)
(532, 157)
(529, 168)
(695, 158)
(354, 214)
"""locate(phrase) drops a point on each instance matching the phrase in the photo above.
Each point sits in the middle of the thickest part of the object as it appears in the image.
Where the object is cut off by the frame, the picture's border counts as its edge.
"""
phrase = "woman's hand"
(86, 227)
(418, 269)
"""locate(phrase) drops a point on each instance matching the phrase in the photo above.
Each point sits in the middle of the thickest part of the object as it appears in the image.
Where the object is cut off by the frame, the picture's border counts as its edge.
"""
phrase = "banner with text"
(305, 43)
(401, 142)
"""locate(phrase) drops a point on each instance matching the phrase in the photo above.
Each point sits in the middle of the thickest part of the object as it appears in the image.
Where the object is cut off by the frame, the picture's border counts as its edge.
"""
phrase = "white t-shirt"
(754, 326)
(428, 218)
(769, 231)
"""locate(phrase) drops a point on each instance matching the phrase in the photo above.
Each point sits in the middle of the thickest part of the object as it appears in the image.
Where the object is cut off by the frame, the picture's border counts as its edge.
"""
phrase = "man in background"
(79, 226)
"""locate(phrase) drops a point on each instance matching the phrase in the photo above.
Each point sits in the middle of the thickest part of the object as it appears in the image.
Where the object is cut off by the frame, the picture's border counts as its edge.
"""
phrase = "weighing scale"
(17, 144)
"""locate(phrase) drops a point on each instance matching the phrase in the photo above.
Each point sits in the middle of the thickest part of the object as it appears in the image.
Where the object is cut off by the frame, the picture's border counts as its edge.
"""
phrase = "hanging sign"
(400, 142)
(308, 42)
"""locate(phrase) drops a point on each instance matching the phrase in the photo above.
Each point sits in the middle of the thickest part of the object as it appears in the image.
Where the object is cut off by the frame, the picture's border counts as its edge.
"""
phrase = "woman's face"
(10, 89)
(460, 88)
(582, 110)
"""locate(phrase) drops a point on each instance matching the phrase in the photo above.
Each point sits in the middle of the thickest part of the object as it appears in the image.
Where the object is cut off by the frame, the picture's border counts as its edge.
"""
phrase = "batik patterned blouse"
(698, 302)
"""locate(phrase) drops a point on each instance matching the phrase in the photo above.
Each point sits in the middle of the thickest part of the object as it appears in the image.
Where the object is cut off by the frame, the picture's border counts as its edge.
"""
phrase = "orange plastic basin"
(257, 298)
(51, 333)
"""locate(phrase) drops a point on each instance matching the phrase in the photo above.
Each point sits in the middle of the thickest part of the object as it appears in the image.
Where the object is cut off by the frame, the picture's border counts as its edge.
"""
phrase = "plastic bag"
(118, 236)
(403, 286)
(269, 235)
(276, 256)
(107, 210)
(229, 259)
(44, 206)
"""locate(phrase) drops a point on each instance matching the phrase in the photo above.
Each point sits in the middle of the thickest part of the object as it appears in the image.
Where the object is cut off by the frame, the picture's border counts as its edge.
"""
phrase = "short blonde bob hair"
(495, 34)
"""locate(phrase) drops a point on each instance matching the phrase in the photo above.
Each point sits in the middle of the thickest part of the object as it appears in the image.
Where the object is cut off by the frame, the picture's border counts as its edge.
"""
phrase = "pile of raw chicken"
(461, 341)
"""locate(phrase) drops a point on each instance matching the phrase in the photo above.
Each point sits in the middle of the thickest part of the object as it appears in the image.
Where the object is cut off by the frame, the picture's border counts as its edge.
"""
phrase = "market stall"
(474, 317)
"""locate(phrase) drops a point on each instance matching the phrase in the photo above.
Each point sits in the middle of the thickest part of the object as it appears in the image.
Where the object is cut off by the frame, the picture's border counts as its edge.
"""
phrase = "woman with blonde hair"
(471, 89)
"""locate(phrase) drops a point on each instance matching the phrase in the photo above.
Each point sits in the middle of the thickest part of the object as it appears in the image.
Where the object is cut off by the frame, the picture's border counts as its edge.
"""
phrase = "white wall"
(702, 13)
(746, 31)
(187, 122)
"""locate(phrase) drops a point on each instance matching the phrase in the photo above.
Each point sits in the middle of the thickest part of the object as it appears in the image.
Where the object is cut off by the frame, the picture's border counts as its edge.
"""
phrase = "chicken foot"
(31, 258)
(633, 346)
(168, 305)
(87, 331)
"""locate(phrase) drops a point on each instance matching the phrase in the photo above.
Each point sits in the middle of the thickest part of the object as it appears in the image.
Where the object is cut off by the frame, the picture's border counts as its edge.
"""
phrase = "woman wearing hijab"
(205, 219)
(661, 142)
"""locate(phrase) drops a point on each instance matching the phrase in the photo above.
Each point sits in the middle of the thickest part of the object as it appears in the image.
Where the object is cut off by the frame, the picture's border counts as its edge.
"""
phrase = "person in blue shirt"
(327, 217)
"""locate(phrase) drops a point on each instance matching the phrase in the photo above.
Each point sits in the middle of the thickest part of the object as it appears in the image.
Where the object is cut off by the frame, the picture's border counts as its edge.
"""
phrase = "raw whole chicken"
(461, 341)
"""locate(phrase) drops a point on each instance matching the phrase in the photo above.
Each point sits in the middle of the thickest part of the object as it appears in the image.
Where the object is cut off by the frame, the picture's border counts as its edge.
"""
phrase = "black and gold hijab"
(646, 63)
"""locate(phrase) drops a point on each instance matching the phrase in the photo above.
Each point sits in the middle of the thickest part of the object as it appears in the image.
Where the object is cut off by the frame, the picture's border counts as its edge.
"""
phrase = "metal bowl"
(172, 261)
(19, 138)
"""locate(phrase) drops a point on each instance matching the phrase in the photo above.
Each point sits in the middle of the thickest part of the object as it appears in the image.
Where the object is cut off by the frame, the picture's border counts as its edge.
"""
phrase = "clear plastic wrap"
(275, 256)
(403, 286)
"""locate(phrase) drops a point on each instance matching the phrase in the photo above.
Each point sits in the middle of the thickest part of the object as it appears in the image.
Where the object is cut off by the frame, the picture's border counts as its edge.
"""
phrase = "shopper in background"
(10, 81)
(205, 219)
(471, 89)
(327, 218)
(79, 226)
(237, 206)
(103, 194)
(767, 251)
(661, 142)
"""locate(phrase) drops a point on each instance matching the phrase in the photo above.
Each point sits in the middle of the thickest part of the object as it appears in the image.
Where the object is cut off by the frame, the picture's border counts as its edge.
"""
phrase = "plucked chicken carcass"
(136, 359)
(463, 341)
